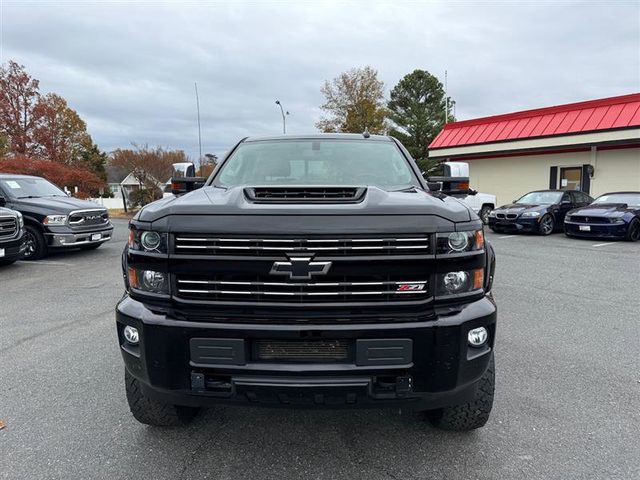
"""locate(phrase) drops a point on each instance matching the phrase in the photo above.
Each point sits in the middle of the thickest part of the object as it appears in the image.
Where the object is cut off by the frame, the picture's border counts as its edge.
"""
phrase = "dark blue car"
(612, 215)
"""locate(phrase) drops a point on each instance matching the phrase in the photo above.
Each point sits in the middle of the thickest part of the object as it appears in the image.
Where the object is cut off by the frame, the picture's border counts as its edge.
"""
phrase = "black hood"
(521, 207)
(62, 205)
(604, 209)
(230, 210)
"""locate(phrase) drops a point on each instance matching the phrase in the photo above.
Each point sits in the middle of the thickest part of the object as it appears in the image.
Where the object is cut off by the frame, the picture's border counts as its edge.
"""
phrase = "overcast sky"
(130, 70)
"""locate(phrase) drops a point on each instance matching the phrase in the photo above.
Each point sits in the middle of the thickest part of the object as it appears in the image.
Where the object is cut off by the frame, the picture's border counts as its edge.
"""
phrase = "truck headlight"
(530, 214)
(453, 283)
(457, 242)
(148, 281)
(147, 241)
(55, 220)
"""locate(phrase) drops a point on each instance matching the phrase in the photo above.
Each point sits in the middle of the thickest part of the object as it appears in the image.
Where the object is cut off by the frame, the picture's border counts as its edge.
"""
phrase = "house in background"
(593, 146)
(115, 176)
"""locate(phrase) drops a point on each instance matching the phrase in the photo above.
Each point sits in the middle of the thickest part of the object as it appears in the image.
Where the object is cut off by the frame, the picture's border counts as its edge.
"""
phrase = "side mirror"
(184, 178)
(184, 169)
(455, 181)
(3, 201)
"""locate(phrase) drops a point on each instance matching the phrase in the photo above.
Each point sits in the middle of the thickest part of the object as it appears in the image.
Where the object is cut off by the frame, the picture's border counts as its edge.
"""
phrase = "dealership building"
(592, 146)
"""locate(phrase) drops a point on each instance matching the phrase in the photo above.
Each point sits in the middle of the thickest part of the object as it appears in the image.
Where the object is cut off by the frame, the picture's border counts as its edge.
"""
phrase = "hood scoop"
(305, 194)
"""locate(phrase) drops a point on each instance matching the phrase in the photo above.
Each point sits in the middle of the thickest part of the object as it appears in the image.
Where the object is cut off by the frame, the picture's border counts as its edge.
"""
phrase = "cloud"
(129, 70)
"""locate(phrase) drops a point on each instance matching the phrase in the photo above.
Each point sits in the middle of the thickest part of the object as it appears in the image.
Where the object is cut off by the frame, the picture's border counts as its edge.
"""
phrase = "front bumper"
(64, 237)
(440, 370)
(13, 249)
(528, 225)
(596, 230)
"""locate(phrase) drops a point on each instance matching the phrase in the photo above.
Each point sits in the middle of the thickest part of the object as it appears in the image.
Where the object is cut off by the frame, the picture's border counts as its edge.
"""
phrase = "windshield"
(540, 198)
(631, 199)
(30, 187)
(317, 162)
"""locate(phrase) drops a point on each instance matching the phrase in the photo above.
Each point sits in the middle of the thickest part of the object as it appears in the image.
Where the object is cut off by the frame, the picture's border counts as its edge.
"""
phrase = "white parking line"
(508, 236)
(603, 244)
(42, 262)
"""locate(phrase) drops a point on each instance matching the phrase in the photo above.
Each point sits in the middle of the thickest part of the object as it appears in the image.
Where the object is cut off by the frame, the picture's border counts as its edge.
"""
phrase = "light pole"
(284, 118)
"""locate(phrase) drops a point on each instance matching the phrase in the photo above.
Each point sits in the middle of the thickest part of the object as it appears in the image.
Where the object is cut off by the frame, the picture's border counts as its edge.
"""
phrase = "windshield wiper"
(410, 188)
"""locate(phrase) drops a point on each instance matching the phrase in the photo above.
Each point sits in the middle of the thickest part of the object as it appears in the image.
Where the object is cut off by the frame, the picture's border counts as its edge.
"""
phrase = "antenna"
(446, 99)
(199, 131)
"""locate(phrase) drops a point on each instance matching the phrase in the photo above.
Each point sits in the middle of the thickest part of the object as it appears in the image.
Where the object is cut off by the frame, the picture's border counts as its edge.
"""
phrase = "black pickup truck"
(53, 220)
(313, 271)
(11, 236)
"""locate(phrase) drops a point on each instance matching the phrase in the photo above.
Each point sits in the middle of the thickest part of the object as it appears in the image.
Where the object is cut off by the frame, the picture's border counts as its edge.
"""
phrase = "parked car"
(612, 215)
(482, 204)
(53, 220)
(541, 212)
(11, 236)
(309, 271)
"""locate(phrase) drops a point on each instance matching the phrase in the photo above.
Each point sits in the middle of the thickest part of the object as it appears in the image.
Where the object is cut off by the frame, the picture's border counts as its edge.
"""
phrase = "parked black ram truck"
(314, 271)
(11, 236)
(53, 220)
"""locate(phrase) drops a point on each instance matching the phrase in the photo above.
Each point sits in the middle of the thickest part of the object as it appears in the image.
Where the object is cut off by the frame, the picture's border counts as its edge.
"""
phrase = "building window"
(570, 178)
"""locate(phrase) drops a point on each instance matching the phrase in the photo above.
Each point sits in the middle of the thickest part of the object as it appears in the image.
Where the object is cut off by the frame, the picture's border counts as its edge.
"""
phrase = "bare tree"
(355, 102)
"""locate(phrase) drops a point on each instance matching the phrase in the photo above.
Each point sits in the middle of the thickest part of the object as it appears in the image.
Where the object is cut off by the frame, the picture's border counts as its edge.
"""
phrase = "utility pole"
(199, 131)
(446, 99)
(284, 119)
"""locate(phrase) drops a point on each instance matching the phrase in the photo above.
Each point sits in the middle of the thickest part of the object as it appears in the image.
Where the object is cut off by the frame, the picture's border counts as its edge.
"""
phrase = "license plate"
(585, 228)
(96, 236)
(1, 252)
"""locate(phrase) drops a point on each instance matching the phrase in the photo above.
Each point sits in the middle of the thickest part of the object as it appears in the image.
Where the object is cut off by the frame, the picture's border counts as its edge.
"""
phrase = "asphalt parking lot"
(567, 405)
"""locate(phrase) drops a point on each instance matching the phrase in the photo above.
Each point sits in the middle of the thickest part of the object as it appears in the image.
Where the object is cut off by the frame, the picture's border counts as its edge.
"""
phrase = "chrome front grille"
(388, 290)
(330, 246)
(8, 227)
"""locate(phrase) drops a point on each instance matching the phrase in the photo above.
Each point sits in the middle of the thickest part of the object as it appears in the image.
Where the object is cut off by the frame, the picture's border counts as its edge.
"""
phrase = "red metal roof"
(591, 116)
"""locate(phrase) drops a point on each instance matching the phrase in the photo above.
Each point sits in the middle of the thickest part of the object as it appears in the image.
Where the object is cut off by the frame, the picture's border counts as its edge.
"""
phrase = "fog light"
(131, 335)
(478, 337)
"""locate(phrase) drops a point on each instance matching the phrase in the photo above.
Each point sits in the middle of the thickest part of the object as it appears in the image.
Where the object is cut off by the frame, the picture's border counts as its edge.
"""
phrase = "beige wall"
(510, 177)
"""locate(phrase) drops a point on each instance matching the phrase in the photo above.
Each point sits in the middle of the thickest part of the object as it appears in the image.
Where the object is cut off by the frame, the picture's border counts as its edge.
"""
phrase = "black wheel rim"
(30, 246)
(546, 225)
(634, 234)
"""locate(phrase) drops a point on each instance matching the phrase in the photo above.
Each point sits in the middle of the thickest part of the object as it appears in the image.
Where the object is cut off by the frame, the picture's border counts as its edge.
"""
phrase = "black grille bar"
(305, 194)
(302, 350)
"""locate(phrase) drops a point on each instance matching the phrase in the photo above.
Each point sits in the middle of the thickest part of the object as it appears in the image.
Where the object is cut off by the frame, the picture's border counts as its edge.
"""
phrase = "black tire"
(633, 232)
(471, 415)
(36, 246)
(547, 225)
(151, 412)
(484, 214)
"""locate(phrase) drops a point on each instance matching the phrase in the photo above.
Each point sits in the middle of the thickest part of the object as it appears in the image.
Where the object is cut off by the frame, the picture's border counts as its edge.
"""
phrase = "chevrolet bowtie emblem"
(300, 268)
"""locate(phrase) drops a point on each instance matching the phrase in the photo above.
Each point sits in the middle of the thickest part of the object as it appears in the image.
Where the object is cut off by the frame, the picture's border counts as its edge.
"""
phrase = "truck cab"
(317, 271)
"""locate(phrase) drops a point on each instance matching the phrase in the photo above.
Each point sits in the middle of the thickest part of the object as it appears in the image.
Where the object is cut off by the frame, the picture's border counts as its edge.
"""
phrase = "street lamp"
(284, 119)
